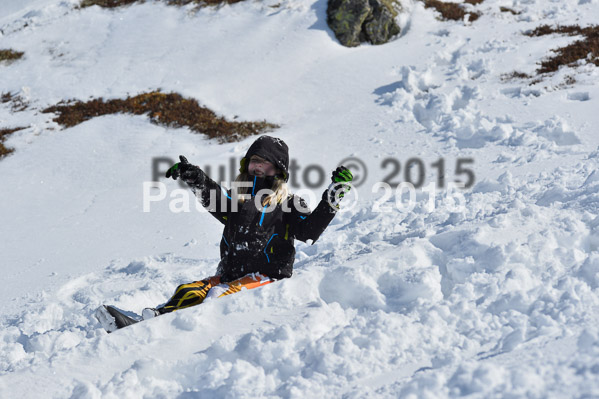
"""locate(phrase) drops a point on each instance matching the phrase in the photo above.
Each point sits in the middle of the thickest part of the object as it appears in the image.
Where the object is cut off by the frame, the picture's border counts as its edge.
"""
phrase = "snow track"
(493, 292)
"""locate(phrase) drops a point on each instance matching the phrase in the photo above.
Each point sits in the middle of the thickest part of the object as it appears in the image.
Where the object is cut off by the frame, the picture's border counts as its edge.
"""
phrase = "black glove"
(187, 172)
(340, 184)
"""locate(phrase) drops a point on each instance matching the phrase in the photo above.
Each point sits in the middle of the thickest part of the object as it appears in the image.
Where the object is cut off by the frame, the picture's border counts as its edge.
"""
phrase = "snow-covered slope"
(490, 291)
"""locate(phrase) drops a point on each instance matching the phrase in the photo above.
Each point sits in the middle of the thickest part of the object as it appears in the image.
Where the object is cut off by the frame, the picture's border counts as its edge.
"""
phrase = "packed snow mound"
(431, 302)
(489, 292)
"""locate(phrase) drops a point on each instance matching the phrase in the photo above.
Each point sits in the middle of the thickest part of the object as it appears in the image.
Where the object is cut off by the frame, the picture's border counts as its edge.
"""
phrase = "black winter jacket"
(255, 240)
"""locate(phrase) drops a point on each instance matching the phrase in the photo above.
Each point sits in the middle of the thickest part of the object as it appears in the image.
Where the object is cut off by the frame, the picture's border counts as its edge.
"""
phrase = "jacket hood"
(273, 149)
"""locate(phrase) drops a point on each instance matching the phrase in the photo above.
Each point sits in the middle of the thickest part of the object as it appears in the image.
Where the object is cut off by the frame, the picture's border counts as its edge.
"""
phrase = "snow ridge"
(487, 292)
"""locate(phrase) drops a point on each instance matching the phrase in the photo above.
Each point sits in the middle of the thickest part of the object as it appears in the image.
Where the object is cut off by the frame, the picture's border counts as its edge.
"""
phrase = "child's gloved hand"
(340, 184)
(342, 175)
(187, 172)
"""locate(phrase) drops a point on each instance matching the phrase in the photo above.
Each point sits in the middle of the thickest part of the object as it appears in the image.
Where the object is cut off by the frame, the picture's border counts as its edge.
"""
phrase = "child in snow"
(261, 221)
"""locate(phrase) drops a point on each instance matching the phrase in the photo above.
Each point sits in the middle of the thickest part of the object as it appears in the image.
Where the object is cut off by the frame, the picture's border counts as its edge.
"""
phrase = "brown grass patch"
(515, 75)
(10, 55)
(18, 104)
(170, 110)
(588, 48)
(120, 3)
(505, 9)
(201, 2)
(107, 3)
(452, 11)
(4, 133)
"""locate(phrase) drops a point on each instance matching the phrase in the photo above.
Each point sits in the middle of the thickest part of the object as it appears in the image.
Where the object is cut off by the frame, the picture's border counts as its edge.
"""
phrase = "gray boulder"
(356, 21)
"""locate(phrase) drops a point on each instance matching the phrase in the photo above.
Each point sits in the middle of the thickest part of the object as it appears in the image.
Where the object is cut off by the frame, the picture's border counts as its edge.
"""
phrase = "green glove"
(340, 184)
(187, 172)
(342, 175)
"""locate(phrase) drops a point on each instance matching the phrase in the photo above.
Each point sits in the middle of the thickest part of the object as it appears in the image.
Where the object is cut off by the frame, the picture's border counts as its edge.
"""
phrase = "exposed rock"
(356, 21)
(380, 26)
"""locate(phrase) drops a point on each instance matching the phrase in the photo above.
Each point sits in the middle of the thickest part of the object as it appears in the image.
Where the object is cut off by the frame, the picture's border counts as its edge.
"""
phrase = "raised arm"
(306, 225)
(210, 194)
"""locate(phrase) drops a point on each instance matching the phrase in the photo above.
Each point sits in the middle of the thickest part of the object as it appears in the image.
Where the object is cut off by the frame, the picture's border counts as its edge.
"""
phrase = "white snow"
(491, 291)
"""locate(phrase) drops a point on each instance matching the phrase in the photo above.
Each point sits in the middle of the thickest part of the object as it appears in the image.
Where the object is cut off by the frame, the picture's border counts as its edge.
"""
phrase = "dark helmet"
(273, 149)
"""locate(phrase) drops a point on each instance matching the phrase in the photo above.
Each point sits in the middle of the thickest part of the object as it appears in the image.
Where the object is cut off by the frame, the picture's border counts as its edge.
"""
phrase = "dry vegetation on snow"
(167, 109)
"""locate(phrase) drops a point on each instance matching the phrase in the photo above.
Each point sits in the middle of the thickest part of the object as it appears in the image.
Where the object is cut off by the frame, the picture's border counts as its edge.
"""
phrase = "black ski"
(113, 319)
